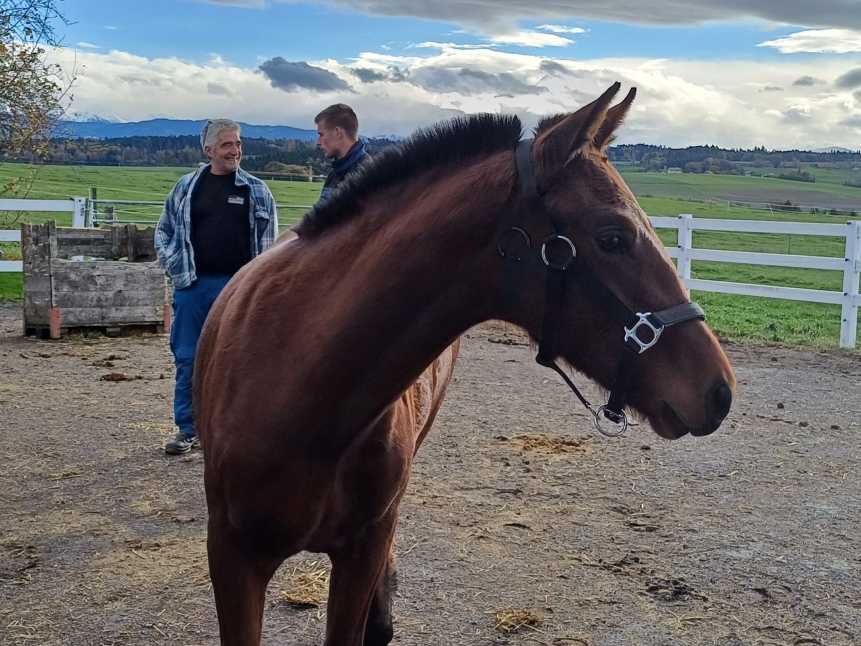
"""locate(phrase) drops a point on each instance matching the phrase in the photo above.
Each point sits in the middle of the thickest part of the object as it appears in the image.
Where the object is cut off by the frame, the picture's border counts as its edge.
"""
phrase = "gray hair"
(209, 135)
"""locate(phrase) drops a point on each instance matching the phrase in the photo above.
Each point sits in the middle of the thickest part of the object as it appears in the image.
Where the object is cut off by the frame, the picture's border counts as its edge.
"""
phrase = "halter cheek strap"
(641, 329)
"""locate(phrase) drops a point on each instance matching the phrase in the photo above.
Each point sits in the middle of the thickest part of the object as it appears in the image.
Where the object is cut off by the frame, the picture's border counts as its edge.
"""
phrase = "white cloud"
(526, 38)
(86, 45)
(818, 41)
(562, 29)
(434, 45)
(522, 38)
(678, 103)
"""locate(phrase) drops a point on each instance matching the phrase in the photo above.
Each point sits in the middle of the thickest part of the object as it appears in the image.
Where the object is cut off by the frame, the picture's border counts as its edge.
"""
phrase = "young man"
(215, 220)
(338, 138)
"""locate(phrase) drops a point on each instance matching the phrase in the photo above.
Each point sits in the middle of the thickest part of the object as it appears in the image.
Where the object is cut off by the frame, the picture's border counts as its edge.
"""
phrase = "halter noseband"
(641, 329)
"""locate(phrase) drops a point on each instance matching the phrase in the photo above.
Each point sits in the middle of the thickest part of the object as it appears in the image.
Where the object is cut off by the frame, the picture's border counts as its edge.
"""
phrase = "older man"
(215, 220)
(338, 138)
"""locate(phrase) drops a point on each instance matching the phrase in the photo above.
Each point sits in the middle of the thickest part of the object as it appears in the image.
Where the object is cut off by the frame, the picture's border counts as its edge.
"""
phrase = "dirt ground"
(746, 537)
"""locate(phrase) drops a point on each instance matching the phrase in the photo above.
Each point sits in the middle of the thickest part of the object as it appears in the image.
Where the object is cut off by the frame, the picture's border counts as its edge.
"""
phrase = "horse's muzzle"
(717, 404)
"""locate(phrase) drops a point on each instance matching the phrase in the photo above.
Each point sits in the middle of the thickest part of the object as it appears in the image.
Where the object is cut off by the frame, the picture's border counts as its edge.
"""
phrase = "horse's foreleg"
(379, 630)
(239, 580)
(356, 575)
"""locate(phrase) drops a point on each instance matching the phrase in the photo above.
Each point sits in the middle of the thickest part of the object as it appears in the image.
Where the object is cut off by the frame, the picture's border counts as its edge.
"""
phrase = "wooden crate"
(84, 278)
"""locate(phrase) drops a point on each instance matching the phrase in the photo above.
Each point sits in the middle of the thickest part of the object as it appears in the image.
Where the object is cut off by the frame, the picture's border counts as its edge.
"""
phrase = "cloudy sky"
(735, 73)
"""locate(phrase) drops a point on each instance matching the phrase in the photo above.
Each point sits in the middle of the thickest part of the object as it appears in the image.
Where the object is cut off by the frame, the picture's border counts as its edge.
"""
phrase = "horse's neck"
(416, 277)
(426, 257)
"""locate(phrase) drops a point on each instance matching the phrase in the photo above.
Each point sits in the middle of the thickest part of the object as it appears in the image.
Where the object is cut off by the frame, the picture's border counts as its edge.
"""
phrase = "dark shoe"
(182, 443)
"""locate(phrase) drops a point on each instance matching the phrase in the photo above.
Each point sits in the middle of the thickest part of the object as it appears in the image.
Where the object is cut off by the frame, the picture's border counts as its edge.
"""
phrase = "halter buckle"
(620, 422)
(643, 321)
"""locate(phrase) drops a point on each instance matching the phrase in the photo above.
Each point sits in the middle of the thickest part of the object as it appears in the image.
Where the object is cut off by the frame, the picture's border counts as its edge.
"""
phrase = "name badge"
(236, 199)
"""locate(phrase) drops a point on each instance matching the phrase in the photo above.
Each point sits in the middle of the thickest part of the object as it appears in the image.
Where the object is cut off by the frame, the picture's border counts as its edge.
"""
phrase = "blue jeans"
(190, 308)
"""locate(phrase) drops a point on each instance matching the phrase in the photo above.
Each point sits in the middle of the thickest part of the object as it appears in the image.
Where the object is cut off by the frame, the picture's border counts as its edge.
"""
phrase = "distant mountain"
(94, 117)
(100, 128)
(833, 149)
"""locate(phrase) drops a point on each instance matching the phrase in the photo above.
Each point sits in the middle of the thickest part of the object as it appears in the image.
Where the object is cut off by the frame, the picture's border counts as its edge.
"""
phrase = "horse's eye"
(612, 243)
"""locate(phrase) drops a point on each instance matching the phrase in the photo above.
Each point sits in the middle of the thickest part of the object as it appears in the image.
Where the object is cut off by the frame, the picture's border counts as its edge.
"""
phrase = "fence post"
(79, 217)
(685, 243)
(94, 210)
(849, 310)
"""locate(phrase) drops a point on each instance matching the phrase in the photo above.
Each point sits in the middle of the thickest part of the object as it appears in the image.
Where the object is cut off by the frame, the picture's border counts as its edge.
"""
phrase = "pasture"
(660, 194)
(828, 191)
(520, 525)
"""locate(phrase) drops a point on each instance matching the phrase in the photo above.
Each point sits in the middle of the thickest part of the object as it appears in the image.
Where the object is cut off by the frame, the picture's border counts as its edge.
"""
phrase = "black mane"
(445, 143)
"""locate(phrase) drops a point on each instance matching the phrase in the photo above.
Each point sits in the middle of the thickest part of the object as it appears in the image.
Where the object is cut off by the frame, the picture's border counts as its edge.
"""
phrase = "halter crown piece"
(641, 330)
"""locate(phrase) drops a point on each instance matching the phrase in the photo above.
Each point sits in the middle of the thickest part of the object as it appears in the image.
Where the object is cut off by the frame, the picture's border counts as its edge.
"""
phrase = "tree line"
(701, 159)
(291, 155)
(297, 156)
(272, 155)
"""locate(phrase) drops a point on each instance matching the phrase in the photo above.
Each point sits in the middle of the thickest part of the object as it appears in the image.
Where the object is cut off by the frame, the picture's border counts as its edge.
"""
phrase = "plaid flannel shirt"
(173, 231)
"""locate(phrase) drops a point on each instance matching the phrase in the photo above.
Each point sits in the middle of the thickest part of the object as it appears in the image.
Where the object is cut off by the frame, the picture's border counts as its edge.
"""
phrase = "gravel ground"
(520, 526)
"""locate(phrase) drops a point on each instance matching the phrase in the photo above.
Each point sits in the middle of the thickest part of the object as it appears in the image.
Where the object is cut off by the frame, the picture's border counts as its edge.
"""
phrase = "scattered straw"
(511, 621)
(307, 586)
(550, 444)
(119, 376)
(161, 427)
(66, 473)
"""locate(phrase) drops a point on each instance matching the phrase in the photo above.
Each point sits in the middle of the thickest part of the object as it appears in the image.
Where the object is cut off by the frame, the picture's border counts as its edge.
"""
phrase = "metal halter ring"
(620, 427)
(522, 233)
(631, 333)
(568, 262)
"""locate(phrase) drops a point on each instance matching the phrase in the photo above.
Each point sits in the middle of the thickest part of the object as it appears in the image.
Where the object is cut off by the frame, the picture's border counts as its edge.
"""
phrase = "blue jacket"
(343, 167)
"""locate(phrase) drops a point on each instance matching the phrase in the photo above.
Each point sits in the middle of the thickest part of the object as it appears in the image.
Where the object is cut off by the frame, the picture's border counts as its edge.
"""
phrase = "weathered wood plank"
(109, 243)
(141, 244)
(107, 300)
(99, 316)
(36, 254)
(106, 275)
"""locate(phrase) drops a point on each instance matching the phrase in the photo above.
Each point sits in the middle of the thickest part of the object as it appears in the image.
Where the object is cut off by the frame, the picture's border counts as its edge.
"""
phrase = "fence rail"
(684, 252)
(77, 206)
(848, 298)
(106, 211)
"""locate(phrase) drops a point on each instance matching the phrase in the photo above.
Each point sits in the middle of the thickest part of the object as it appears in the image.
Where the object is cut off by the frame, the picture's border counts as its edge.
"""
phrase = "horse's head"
(683, 383)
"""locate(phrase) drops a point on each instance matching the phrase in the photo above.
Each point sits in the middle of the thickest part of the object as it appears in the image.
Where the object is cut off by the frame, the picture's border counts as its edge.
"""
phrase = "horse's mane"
(549, 122)
(446, 144)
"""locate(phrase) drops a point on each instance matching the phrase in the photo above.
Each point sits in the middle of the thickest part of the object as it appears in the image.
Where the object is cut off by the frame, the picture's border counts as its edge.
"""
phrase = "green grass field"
(731, 317)
(828, 190)
(144, 184)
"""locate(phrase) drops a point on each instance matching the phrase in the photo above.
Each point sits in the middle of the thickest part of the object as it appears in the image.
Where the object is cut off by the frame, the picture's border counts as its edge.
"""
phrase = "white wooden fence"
(850, 264)
(684, 252)
(77, 206)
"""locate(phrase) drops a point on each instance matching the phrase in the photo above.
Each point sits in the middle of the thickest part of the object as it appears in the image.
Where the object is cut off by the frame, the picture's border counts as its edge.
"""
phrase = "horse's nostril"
(719, 402)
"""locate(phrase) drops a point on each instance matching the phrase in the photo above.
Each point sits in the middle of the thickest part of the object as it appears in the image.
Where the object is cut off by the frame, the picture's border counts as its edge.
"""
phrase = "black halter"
(641, 329)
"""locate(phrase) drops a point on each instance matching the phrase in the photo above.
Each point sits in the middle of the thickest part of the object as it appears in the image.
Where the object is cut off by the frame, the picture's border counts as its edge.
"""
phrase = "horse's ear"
(614, 118)
(567, 139)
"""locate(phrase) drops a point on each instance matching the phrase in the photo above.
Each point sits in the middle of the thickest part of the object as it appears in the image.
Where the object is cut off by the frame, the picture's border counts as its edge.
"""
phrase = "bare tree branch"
(33, 91)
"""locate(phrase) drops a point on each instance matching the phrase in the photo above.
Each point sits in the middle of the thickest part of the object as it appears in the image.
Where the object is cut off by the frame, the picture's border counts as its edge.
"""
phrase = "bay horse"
(313, 389)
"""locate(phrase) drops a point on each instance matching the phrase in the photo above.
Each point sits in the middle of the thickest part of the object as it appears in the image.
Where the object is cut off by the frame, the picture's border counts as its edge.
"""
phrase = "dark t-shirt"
(220, 225)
